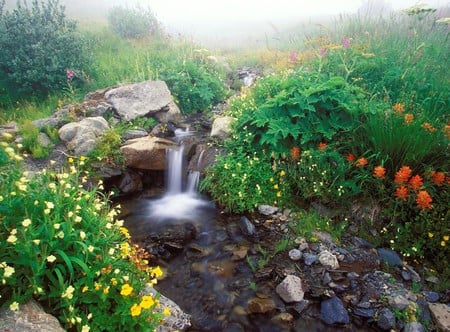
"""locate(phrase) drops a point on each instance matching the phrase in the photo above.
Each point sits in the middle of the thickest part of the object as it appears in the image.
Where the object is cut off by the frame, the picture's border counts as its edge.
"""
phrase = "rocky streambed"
(252, 273)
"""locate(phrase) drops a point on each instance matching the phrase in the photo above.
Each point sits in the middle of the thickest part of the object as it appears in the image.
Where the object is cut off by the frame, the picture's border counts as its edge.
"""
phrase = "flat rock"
(267, 210)
(441, 315)
(257, 305)
(390, 257)
(290, 289)
(29, 317)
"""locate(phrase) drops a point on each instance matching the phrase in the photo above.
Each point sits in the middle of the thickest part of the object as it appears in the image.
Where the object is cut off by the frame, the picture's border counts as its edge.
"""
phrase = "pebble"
(295, 254)
(398, 302)
(366, 313)
(257, 305)
(267, 210)
(310, 259)
(332, 312)
(327, 259)
(290, 289)
(431, 296)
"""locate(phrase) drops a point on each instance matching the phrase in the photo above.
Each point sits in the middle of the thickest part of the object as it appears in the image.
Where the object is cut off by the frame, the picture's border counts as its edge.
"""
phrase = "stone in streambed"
(332, 312)
(257, 305)
(290, 289)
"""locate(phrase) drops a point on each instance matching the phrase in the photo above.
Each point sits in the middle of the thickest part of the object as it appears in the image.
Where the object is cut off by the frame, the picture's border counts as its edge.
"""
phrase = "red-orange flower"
(361, 162)
(428, 127)
(350, 157)
(416, 182)
(322, 146)
(446, 130)
(424, 200)
(295, 153)
(399, 108)
(437, 178)
(403, 174)
(379, 172)
(409, 118)
(401, 193)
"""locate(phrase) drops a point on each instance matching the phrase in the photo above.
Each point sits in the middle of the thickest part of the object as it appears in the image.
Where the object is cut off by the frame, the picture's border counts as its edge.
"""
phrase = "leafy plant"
(30, 141)
(133, 23)
(108, 148)
(38, 45)
(62, 245)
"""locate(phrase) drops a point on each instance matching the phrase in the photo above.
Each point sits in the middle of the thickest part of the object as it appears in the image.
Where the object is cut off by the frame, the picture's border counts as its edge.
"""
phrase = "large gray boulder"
(146, 152)
(29, 317)
(221, 127)
(148, 98)
(81, 137)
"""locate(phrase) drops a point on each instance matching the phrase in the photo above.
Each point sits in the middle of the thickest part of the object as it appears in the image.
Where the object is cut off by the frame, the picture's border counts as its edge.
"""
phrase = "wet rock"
(147, 153)
(327, 259)
(283, 318)
(441, 315)
(148, 98)
(29, 317)
(431, 296)
(398, 302)
(295, 254)
(309, 259)
(130, 182)
(390, 257)
(366, 313)
(82, 136)
(386, 319)
(257, 305)
(290, 289)
(414, 327)
(267, 210)
(247, 228)
(221, 127)
(332, 312)
(239, 253)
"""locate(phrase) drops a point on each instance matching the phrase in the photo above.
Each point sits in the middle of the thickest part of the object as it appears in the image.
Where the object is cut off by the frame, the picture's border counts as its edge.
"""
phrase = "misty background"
(236, 21)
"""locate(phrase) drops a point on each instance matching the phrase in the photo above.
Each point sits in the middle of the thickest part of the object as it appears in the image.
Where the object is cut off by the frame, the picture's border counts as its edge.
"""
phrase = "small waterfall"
(180, 202)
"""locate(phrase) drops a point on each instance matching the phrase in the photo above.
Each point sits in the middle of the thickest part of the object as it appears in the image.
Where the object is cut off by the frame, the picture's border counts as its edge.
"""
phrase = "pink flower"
(346, 42)
(322, 52)
(293, 57)
(70, 74)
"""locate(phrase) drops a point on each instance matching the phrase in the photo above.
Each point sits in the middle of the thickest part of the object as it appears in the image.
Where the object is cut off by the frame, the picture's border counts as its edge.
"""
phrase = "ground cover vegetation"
(358, 114)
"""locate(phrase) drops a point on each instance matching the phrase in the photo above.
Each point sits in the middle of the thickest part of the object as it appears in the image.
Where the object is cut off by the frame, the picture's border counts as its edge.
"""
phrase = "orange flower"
(415, 182)
(361, 162)
(322, 146)
(446, 131)
(403, 174)
(437, 178)
(295, 153)
(379, 172)
(350, 157)
(409, 118)
(399, 108)
(401, 193)
(424, 200)
(428, 127)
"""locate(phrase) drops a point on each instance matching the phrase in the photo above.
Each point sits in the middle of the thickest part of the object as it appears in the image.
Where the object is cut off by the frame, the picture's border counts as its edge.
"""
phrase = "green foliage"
(133, 23)
(305, 223)
(108, 148)
(300, 109)
(30, 141)
(38, 45)
(62, 245)
(240, 181)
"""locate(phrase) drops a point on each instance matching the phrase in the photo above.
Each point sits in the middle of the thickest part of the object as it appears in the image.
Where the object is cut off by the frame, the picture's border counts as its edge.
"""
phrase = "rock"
(327, 259)
(146, 152)
(390, 257)
(267, 210)
(366, 313)
(332, 312)
(283, 318)
(309, 259)
(413, 274)
(177, 321)
(414, 327)
(45, 141)
(257, 305)
(295, 254)
(148, 98)
(299, 307)
(247, 228)
(386, 319)
(130, 182)
(221, 127)
(10, 128)
(398, 302)
(134, 133)
(29, 317)
(82, 136)
(323, 237)
(239, 253)
(441, 315)
(248, 75)
(431, 296)
(290, 289)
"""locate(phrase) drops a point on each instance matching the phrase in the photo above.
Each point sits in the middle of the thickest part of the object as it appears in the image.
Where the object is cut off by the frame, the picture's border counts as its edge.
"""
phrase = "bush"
(133, 23)
(39, 47)
(62, 245)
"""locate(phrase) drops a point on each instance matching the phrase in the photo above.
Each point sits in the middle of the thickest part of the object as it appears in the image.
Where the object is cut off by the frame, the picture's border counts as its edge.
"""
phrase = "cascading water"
(181, 201)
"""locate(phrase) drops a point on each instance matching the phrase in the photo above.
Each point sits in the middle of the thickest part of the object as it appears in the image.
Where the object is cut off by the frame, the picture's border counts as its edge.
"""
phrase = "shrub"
(62, 245)
(133, 23)
(38, 46)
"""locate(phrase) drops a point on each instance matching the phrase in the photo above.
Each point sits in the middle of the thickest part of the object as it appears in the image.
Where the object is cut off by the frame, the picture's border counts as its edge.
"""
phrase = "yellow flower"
(9, 271)
(51, 259)
(14, 306)
(147, 302)
(126, 290)
(84, 289)
(85, 328)
(446, 237)
(68, 292)
(11, 239)
(282, 173)
(166, 311)
(106, 290)
(114, 281)
(275, 186)
(26, 222)
(443, 243)
(157, 272)
(82, 235)
(70, 160)
(135, 310)
(430, 235)
(50, 205)
(279, 194)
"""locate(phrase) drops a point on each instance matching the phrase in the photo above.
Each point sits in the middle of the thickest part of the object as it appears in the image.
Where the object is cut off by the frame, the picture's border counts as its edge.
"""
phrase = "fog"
(225, 20)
